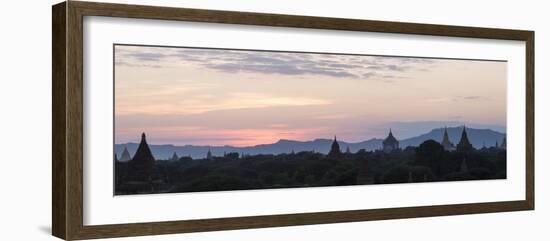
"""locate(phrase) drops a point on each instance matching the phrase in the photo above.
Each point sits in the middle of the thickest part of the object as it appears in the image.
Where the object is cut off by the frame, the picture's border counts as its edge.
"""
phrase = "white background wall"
(25, 122)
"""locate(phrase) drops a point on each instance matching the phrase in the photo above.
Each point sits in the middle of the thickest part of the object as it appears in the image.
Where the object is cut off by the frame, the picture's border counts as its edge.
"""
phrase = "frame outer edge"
(530, 117)
(59, 182)
(67, 120)
(74, 119)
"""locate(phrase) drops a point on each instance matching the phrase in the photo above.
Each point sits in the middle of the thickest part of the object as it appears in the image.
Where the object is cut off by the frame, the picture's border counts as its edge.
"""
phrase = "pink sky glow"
(193, 96)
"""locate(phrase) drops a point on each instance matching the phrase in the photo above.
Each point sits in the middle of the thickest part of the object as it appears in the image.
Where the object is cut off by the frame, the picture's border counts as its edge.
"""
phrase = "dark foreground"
(427, 163)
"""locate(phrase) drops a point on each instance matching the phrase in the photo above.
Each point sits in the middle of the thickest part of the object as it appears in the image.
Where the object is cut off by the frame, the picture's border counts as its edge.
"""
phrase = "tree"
(430, 154)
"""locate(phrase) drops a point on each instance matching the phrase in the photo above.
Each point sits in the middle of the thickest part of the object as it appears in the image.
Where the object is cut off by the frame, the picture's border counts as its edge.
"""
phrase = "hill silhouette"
(164, 152)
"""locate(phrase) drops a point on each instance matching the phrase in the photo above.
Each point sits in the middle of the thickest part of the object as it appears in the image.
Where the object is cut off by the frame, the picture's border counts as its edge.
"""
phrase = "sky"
(199, 96)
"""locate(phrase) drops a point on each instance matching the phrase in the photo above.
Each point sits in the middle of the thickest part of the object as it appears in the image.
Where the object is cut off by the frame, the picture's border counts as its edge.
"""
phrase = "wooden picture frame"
(67, 124)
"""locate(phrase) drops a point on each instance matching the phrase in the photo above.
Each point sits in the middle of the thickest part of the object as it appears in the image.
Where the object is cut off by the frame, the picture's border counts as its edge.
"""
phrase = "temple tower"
(390, 143)
(143, 162)
(446, 143)
(464, 145)
(174, 157)
(335, 148)
(125, 156)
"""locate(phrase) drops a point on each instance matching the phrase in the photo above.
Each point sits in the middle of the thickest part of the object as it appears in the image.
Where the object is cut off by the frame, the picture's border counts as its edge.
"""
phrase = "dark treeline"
(429, 162)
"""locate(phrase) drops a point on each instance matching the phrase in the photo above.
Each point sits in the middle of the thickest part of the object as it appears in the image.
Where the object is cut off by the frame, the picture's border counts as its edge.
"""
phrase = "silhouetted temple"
(390, 143)
(464, 145)
(141, 166)
(175, 157)
(125, 156)
(446, 143)
(503, 144)
(335, 148)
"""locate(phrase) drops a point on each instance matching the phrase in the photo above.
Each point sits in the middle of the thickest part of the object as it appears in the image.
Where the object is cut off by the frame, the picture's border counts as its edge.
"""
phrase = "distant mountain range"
(476, 136)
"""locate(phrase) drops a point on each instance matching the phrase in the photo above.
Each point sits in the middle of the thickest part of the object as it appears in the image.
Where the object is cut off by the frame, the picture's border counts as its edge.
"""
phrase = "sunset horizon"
(152, 139)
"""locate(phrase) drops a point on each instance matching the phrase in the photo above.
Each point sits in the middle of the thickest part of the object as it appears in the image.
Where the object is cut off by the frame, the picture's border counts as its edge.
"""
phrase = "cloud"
(457, 99)
(147, 56)
(269, 62)
(368, 75)
(470, 97)
(389, 67)
(473, 97)
(233, 101)
(284, 69)
(144, 65)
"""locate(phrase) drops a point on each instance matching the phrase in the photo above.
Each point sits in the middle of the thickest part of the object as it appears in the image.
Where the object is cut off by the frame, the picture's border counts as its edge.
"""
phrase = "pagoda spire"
(335, 148)
(175, 157)
(143, 161)
(125, 156)
(143, 152)
(464, 145)
(390, 143)
(446, 143)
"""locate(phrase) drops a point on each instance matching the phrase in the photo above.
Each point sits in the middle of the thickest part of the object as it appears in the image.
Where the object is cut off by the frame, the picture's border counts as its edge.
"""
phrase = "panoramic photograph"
(190, 119)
